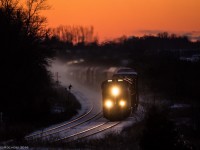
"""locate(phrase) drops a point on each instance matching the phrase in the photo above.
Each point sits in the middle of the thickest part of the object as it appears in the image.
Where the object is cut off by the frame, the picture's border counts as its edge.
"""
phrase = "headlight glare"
(122, 103)
(108, 103)
(115, 91)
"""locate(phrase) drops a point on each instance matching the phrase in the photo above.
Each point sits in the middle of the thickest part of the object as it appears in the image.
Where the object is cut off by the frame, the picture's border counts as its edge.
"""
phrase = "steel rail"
(73, 135)
(102, 130)
(65, 129)
(59, 126)
(87, 130)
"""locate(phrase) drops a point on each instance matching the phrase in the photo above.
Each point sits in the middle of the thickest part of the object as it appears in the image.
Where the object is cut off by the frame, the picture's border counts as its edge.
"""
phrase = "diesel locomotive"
(120, 94)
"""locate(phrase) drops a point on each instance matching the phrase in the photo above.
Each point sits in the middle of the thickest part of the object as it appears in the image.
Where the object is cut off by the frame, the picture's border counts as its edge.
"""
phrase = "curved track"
(88, 132)
(53, 129)
(88, 124)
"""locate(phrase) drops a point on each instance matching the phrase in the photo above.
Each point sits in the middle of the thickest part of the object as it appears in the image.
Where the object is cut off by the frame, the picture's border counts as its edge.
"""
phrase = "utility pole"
(57, 76)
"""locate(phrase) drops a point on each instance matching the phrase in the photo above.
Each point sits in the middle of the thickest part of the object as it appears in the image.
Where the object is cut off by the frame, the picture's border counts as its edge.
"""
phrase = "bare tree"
(35, 24)
(25, 53)
(6, 3)
(75, 34)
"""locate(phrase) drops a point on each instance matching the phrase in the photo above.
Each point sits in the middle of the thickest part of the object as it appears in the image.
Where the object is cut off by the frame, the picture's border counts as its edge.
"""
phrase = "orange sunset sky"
(114, 18)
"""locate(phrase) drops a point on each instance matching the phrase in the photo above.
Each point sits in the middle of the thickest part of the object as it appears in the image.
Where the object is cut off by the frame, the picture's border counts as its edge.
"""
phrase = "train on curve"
(120, 94)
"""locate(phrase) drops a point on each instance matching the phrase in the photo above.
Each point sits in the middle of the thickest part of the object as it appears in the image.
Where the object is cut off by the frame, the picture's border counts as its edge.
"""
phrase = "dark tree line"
(163, 44)
(24, 58)
(74, 34)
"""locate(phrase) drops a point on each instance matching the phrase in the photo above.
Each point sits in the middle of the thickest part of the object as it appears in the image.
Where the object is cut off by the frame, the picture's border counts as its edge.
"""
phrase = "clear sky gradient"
(114, 18)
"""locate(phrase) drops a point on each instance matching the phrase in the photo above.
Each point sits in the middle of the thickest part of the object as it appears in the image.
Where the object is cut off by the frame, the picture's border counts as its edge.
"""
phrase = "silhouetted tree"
(24, 57)
(75, 34)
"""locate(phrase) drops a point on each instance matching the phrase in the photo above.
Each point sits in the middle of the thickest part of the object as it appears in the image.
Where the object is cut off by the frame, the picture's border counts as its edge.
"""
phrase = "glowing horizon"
(115, 18)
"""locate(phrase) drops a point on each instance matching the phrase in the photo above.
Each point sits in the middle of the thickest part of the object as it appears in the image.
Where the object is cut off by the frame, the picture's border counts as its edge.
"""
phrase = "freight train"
(120, 94)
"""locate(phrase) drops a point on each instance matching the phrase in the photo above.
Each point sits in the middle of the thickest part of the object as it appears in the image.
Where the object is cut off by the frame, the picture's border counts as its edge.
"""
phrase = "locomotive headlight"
(122, 103)
(115, 91)
(108, 103)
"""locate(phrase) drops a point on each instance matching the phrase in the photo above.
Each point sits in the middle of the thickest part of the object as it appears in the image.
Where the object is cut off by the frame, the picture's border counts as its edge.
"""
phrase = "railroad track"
(81, 127)
(95, 128)
(88, 132)
(56, 131)
(52, 130)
